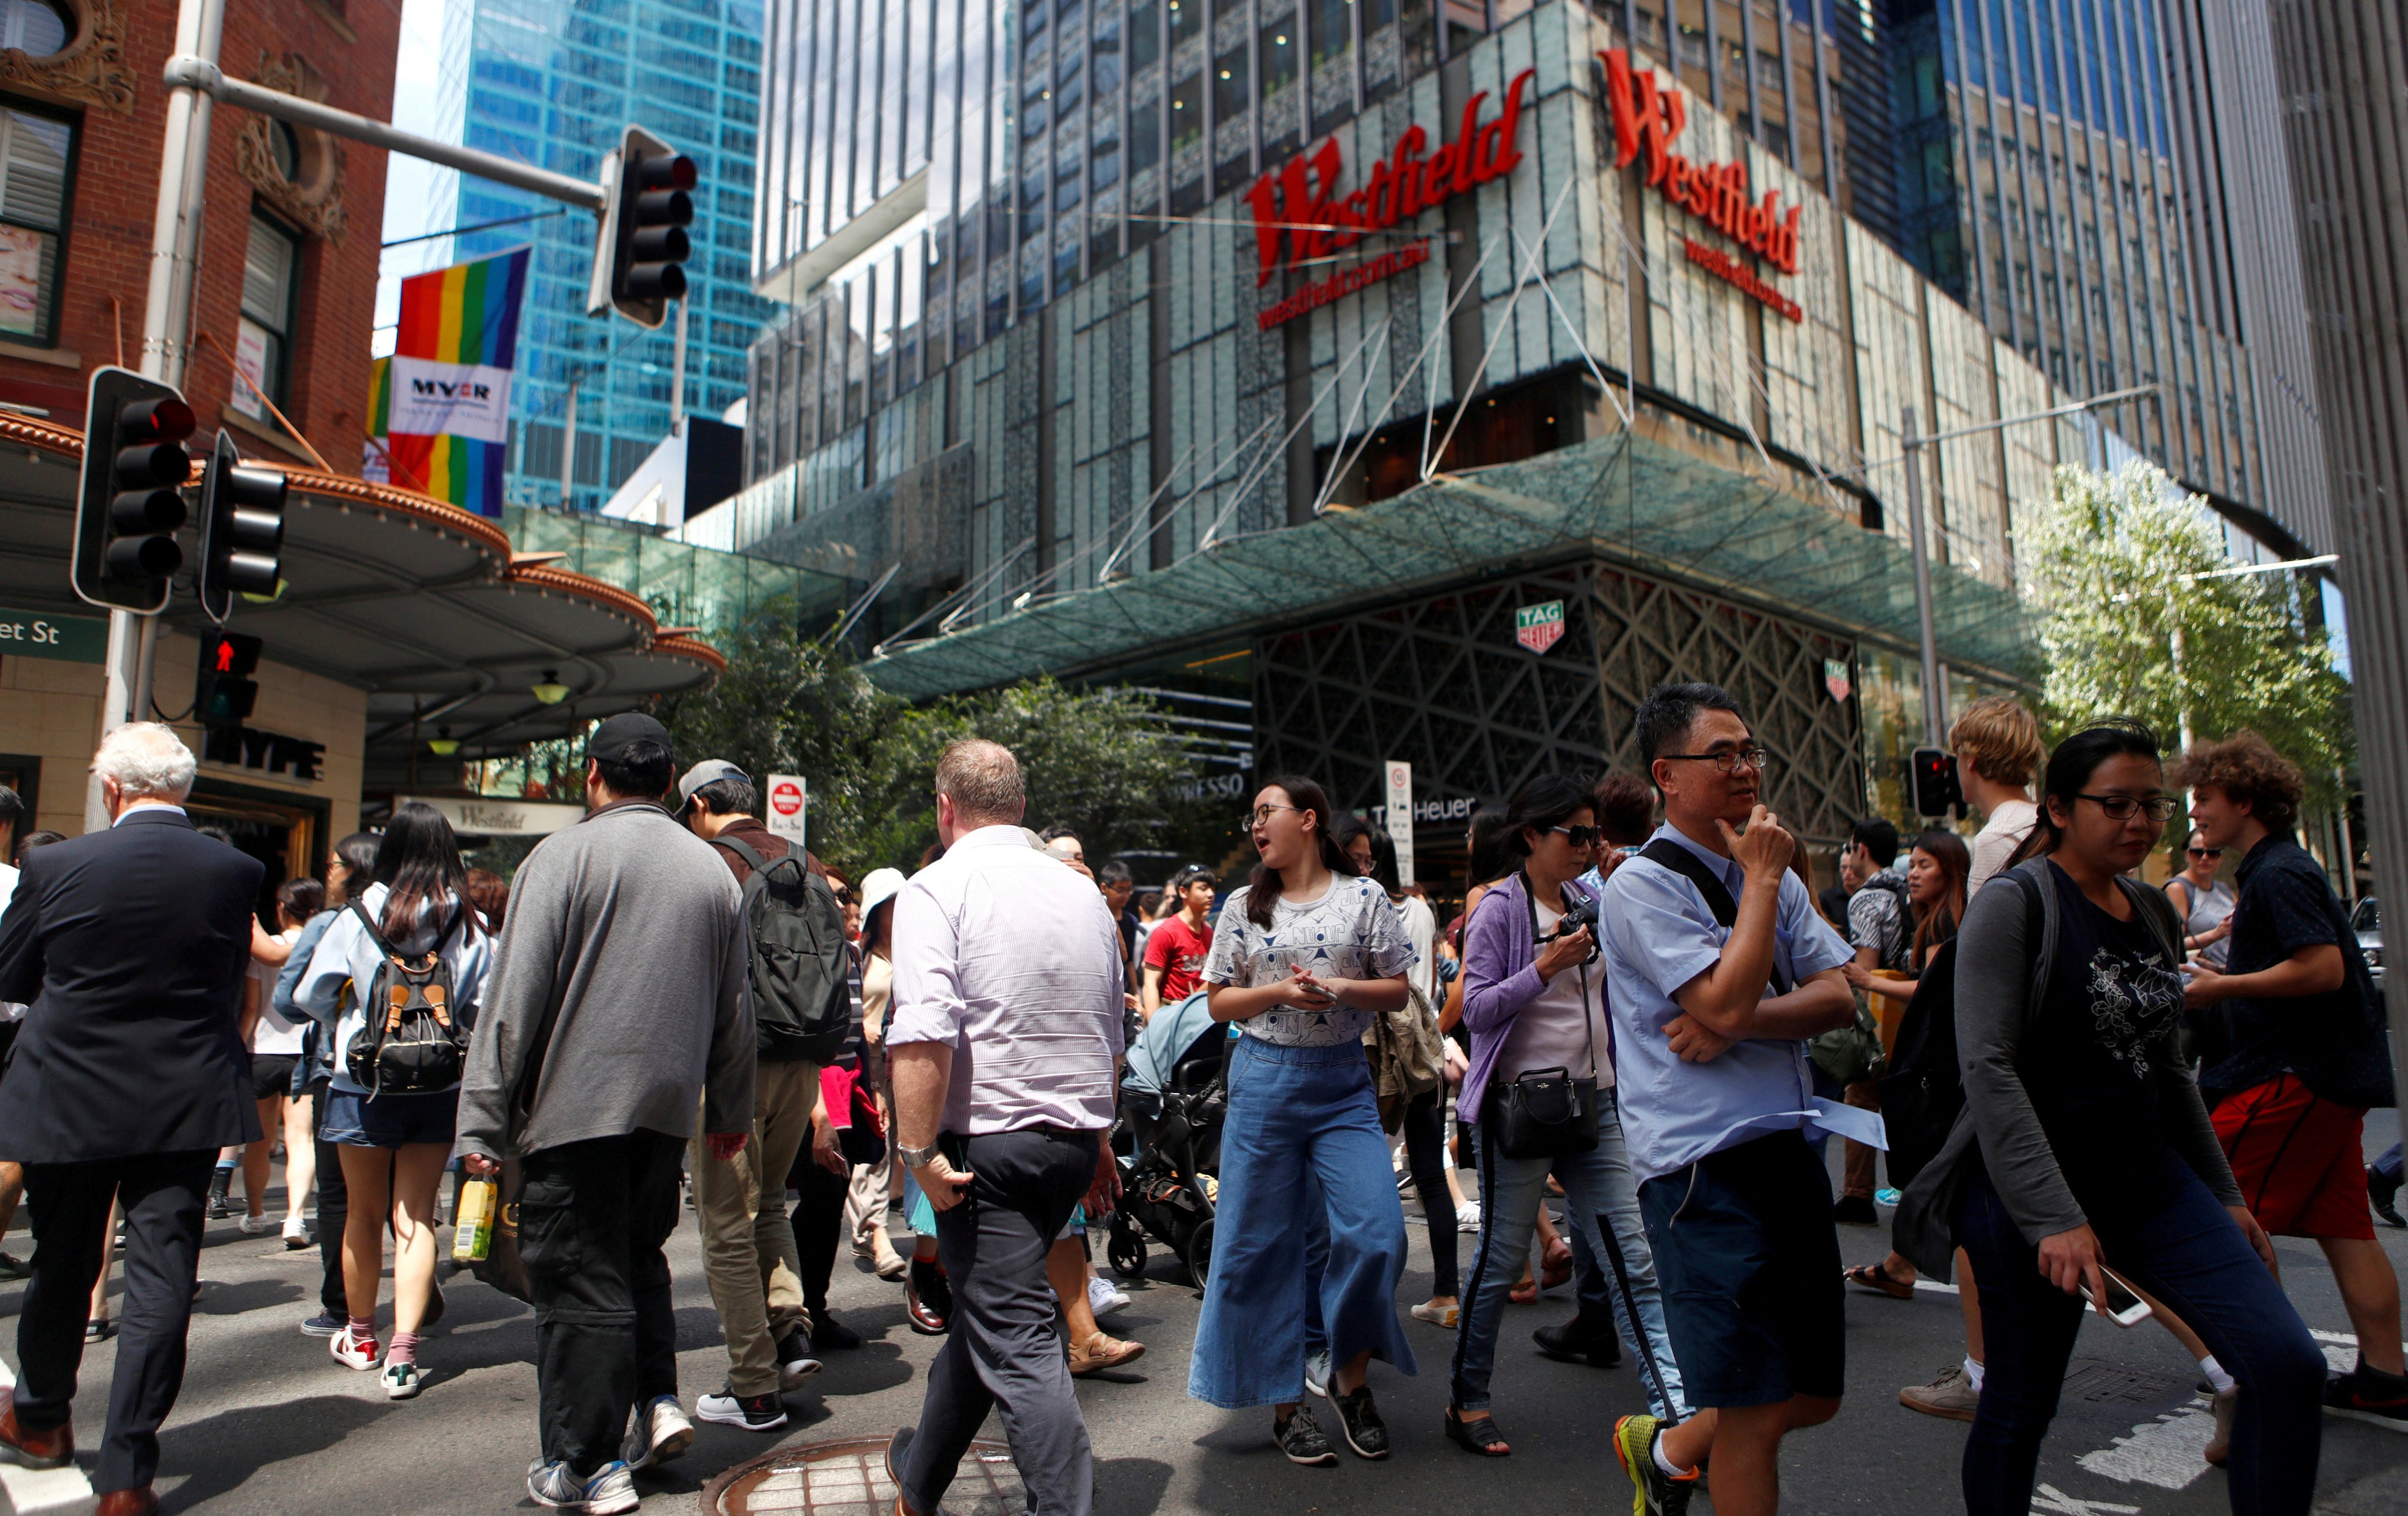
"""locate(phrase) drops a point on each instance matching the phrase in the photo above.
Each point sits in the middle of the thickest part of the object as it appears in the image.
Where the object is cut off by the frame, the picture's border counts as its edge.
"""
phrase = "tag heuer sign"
(1540, 627)
(1835, 678)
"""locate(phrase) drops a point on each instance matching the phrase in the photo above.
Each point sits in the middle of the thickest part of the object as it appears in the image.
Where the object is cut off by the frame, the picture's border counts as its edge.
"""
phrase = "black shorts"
(1748, 1262)
(271, 1074)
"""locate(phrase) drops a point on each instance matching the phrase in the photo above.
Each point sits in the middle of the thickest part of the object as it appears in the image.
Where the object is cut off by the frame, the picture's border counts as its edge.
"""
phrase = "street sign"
(500, 816)
(66, 639)
(789, 797)
(1540, 627)
(1401, 812)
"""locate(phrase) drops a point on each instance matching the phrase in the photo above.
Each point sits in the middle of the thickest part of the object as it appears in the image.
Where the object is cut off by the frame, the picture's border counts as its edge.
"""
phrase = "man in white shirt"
(1004, 1042)
(1999, 753)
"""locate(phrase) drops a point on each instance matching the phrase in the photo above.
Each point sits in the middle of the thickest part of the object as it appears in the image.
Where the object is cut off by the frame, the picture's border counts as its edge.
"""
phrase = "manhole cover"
(2109, 1385)
(848, 1478)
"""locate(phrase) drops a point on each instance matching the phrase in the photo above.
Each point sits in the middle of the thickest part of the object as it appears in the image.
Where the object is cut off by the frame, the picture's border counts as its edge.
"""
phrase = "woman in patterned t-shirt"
(1302, 959)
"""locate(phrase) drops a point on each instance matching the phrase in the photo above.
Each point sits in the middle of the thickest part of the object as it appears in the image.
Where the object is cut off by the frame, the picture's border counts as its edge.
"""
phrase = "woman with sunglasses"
(1534, 999)
(2084, 1145)
(1302, 958)
(2203, 901)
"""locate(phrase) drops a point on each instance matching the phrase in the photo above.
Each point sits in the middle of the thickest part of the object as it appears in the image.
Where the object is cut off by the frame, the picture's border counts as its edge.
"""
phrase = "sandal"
(1480, 1436)
(1875, 1278)
(1527, 1291)
(1558, 1267)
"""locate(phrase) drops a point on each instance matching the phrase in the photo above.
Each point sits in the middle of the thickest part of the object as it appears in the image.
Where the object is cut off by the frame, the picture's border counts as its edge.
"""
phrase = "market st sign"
(1647, 116)
(1300, 216)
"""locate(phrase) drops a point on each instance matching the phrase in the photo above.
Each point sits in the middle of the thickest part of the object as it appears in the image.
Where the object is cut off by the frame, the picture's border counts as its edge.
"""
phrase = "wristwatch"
(913, 1158)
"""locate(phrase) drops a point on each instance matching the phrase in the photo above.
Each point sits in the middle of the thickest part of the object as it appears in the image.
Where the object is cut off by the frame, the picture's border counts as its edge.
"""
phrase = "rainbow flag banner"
(441, 403)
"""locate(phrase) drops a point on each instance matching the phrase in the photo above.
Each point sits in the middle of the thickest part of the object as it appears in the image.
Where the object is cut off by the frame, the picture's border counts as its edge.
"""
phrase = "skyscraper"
(552, 82)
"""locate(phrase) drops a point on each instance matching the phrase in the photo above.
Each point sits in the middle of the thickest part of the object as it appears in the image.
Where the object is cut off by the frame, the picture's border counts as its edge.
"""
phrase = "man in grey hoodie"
(619, 1002)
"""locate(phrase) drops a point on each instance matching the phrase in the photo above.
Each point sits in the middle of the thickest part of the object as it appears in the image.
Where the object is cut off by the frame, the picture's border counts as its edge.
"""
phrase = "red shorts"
(2298, 1159)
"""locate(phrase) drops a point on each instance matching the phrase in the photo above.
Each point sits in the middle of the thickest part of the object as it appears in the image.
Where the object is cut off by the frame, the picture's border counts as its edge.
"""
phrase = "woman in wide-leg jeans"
(1534, 1001)
(1302, 957)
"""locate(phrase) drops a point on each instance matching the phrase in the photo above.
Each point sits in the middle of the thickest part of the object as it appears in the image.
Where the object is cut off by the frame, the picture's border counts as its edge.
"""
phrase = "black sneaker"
(1582, 1340)
(13, 1267)
(1360, 1420)
(753, 1413)
(830, 1335)
(2383, 1193)
(325, 1324)
(2369, 1395)
(795, 1361)
(1856, 1210)
(1302, 1439)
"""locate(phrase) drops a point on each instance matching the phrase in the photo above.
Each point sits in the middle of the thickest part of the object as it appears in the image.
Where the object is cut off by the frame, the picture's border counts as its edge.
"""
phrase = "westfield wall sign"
(1301, 218)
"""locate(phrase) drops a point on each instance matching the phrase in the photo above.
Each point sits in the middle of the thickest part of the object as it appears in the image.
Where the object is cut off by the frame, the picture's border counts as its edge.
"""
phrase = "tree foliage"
(1105, 763)
(2116, 560)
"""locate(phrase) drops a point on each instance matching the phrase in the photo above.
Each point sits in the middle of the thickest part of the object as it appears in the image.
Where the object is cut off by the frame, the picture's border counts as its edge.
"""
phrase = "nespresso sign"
(1302, 217)
(1647, 117)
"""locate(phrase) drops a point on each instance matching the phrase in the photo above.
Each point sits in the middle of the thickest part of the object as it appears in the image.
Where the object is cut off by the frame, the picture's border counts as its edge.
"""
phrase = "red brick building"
(288, 260)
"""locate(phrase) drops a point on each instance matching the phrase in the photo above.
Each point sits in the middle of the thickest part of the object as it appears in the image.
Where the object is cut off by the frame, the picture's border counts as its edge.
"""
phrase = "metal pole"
(191, 71)
(2181, 686)
(677, 376)
(568, 452)
(1934, 718)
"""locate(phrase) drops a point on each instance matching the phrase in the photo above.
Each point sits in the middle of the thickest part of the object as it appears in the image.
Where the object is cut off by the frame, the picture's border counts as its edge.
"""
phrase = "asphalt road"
(269, 1423)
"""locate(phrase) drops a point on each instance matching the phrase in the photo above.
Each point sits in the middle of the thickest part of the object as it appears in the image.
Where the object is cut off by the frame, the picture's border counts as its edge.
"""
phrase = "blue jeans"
(2188, 1253)
(1599, 1185)
(2388, 1164)
(1302, 1137)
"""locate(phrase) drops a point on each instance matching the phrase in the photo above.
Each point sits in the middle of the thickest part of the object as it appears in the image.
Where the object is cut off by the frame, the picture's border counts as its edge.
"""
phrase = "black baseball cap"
(616, 734)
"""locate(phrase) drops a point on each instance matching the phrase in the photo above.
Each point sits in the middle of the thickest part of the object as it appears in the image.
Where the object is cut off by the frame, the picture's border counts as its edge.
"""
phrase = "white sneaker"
(253, 1226)
(401, 1381)
(297, 1234)
(1467, 1216)
(1105, 1297)
(657, 1433)
(353, 1353)
(1316, 1373)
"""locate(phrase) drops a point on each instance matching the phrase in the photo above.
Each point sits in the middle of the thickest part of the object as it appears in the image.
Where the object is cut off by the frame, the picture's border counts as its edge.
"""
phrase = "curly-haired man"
(2296, 1051)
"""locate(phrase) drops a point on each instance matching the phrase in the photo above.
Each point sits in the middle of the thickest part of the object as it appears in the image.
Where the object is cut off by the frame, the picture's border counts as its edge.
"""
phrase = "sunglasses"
(2204, 852)
(1582, 836)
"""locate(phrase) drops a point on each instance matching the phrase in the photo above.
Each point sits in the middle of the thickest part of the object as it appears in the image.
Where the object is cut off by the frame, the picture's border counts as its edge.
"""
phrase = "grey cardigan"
(623, 932)
(2002, 973)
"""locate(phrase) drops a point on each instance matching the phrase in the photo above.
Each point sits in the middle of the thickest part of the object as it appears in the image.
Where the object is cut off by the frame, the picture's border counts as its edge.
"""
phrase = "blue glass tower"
(552, 82)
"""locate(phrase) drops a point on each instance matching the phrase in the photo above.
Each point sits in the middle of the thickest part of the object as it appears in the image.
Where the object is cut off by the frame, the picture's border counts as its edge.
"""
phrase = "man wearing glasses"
(1718, 969)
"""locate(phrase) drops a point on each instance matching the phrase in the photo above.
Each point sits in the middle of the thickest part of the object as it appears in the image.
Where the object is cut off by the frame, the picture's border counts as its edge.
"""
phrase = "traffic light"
(1937, 791)
(639, 256)
(226, 692)
(130, 500)
(242, 530)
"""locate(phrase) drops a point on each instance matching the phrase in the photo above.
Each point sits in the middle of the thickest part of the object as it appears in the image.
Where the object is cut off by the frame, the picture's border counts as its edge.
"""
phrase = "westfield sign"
(1646, 118)
(1300, 216)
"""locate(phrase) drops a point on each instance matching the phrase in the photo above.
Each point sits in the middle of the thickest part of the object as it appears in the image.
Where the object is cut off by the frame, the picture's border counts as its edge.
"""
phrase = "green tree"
(1103, 762)
(2118, 559)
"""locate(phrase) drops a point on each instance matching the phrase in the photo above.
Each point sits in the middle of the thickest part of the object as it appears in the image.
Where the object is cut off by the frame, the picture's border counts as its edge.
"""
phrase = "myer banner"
(440, 406)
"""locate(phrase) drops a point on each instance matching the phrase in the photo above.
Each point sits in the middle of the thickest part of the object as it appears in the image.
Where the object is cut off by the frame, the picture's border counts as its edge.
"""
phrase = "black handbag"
(1546, 1112)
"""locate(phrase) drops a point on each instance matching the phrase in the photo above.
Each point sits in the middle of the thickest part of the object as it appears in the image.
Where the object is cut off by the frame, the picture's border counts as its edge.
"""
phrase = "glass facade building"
(553, 82)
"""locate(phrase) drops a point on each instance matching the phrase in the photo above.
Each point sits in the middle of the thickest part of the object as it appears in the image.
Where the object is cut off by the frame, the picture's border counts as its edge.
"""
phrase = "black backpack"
(1926, 1087)
(413, 1042)
(802, 993)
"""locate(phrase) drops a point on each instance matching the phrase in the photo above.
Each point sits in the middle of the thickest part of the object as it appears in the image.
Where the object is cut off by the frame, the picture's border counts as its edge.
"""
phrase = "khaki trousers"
(748, 1247)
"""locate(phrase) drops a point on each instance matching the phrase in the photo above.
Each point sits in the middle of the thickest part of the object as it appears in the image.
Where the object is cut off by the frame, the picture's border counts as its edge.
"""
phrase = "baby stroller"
(1174, 1100)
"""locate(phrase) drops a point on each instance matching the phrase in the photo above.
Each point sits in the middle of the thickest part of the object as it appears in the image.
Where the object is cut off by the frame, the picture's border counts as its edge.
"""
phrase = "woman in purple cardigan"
(1534, 1001)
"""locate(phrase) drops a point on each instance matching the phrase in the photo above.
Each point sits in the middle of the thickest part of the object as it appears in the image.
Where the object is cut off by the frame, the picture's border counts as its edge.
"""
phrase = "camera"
(1581, 911)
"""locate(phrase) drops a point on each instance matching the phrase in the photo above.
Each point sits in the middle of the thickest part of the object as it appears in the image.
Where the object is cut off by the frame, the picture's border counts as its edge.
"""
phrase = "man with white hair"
(131, 946)
(1003, 1045)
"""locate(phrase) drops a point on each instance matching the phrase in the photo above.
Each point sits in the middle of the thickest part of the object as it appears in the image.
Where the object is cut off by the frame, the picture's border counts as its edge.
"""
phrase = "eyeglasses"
(1730, 759)
(2121, 807)
(2203, 852)
(1261, 815)
(1581, 836)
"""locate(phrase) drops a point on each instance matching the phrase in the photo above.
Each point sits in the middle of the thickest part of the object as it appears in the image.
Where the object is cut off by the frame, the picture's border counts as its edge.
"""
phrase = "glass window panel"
(1232, 90)
(1277, 54)
(1186, 114)
(1145, 33)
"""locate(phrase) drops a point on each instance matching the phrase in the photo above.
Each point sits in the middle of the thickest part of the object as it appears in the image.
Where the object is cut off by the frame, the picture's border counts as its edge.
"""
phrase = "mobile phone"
(2124, 1308)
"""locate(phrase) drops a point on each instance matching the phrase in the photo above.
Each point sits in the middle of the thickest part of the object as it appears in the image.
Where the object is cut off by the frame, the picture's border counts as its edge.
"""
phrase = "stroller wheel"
(1198, 1257)
(1126, 1251)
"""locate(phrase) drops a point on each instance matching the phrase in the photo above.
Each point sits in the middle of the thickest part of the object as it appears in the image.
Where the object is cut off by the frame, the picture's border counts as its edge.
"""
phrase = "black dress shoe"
(927, 1298)
(1856, 1210)
(1581, 1340)
(2383, 1193)
(828, 1335)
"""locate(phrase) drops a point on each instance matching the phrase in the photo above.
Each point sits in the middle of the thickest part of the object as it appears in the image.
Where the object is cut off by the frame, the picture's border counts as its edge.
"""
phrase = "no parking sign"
(789, 797)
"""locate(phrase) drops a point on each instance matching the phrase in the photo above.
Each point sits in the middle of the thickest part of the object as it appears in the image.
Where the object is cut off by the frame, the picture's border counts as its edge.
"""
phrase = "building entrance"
(286, 833)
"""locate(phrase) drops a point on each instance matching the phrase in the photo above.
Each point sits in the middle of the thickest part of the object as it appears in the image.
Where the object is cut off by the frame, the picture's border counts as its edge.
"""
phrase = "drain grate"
(2109, 1384)
(848, 1478)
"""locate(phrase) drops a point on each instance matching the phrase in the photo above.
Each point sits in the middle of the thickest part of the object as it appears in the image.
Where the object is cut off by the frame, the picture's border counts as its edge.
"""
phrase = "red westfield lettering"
(1299, 205)
(1647, 116)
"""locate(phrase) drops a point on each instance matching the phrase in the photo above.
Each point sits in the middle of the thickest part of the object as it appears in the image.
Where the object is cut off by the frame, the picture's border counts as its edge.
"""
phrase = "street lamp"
(551, 691)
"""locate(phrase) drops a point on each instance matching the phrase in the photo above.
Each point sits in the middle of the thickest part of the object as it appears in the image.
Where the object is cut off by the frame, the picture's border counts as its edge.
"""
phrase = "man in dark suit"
(130, 945)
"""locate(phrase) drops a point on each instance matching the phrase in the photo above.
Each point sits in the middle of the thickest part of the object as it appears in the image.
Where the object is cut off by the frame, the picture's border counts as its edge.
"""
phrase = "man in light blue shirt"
(1717, 970)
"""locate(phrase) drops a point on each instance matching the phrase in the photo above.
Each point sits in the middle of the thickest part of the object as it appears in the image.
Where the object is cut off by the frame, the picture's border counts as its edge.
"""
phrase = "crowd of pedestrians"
(2093, 1093)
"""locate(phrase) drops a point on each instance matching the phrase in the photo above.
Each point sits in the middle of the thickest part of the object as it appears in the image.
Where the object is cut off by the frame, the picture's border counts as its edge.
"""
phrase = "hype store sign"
(1303, 215)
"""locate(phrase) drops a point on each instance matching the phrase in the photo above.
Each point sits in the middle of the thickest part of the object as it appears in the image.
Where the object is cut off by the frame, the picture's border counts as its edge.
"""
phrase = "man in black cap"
(617, 1007)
